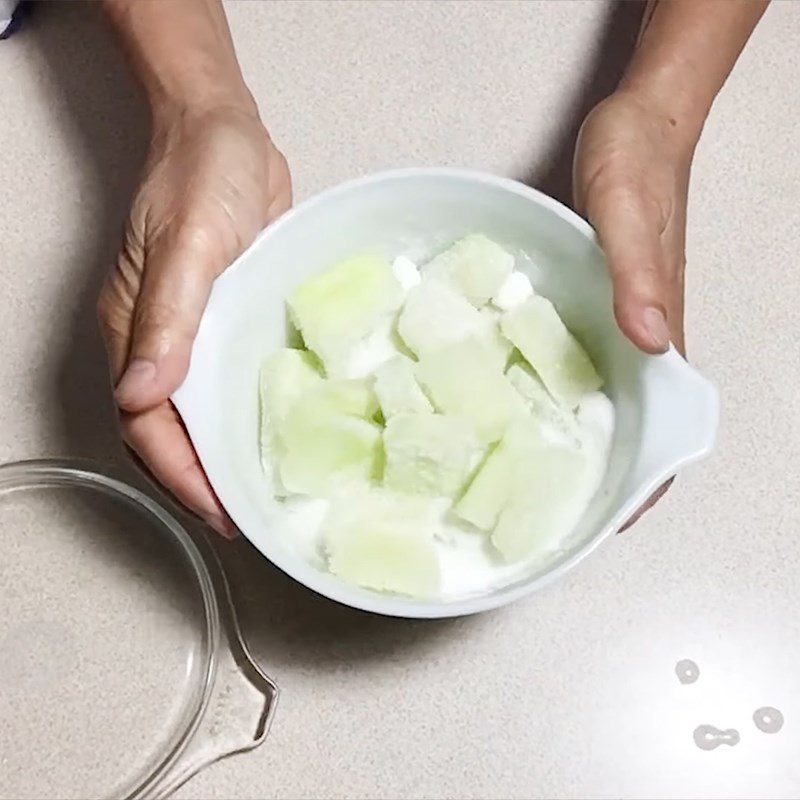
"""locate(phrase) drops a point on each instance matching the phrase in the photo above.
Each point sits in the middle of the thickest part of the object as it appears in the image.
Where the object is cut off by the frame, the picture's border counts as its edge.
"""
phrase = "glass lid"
(109, 630)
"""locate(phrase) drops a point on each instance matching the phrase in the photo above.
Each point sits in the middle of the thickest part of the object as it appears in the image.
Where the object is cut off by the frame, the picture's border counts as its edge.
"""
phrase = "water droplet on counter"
(707, 737)
(768, 719)
(687, 671)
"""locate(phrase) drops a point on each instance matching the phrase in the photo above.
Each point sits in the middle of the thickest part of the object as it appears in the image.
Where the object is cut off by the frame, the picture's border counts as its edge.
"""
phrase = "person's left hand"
(631, 177)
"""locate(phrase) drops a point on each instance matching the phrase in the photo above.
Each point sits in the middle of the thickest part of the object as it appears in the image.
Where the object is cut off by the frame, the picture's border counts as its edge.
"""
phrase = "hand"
(212, 181)
(631, 177)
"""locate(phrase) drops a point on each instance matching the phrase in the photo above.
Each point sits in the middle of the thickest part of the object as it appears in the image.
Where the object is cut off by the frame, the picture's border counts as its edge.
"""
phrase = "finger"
(113, 317)
(647, 505)
(628, 232)
(116, 303)
(173, 466)
(674, 303)
(159, 439)
(177, 283)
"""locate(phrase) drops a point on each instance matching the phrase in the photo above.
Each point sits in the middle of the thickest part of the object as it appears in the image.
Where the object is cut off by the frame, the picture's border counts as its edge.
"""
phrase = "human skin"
(635, 150)
(213, 178)
(634, 156)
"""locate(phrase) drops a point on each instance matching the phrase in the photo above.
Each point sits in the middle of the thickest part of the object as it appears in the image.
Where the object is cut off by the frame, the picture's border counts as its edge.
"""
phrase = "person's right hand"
(212, 181)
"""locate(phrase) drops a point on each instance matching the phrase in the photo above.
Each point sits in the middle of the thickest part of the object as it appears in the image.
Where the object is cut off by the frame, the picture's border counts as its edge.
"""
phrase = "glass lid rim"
(87, 474)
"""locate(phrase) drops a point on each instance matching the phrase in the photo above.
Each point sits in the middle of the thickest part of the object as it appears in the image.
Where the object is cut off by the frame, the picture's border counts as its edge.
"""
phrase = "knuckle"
(636, 276)
(193, 245)
(128, 271)
(112, 309)
(118, 294)
(192, 235)
(610, 180)
(158, 317)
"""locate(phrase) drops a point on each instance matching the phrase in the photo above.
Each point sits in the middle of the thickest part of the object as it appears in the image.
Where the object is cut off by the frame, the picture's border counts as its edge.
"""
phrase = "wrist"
(670, 102)
(685, 51)
(197, 98)
(183, 56)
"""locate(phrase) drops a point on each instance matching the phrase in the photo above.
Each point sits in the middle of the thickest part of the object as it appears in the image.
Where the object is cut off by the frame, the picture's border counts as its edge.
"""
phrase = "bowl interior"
(416, 213)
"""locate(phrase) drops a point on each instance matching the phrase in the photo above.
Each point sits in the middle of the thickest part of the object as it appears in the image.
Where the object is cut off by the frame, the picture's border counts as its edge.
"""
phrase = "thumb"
(177, 281)
(628, 232)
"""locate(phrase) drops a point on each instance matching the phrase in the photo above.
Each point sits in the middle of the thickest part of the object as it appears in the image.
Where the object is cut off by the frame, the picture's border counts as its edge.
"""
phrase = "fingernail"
(136, 378)
(222, 525)
(656, 324)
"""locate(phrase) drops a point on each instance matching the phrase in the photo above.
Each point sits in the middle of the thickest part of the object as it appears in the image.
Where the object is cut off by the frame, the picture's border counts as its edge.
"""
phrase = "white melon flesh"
(406, 272)
(435, 315)
(475, 265)
(543, 339)
(397, 389)
(516, 289)
(429, 454)
(342, 305)
(465, 379)
(383, 541)
(545, 511)
(319, 452)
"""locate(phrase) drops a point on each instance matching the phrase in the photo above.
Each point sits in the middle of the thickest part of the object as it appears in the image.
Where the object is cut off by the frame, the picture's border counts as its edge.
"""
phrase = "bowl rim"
(395, 606)
(454, 173)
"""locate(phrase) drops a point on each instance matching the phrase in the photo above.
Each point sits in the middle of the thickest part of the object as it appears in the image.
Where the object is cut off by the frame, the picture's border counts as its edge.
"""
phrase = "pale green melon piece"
(529, 385)
(397, 389)
(435, 315)
(489, 491)
(429, 454)
(543, 339)
(501, 475)
(353, 397)
(494, 338)
(337, 308)
(475, 265)
(529, 490)
(547, 508)
(465, 379)
(285, 377)
(383, 541)
(318, 452)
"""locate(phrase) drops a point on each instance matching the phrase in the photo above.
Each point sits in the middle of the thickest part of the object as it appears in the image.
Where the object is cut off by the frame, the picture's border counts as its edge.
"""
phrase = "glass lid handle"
(239, 712)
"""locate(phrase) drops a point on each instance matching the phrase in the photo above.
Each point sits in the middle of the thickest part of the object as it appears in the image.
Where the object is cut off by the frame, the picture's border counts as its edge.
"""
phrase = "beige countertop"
(569, 693)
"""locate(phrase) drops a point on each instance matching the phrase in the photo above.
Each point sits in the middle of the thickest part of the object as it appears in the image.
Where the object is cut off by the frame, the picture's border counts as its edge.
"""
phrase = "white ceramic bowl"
(666, 413)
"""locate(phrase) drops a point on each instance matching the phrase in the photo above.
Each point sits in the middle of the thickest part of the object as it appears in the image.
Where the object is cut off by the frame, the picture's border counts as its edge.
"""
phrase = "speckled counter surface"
(570, 693)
